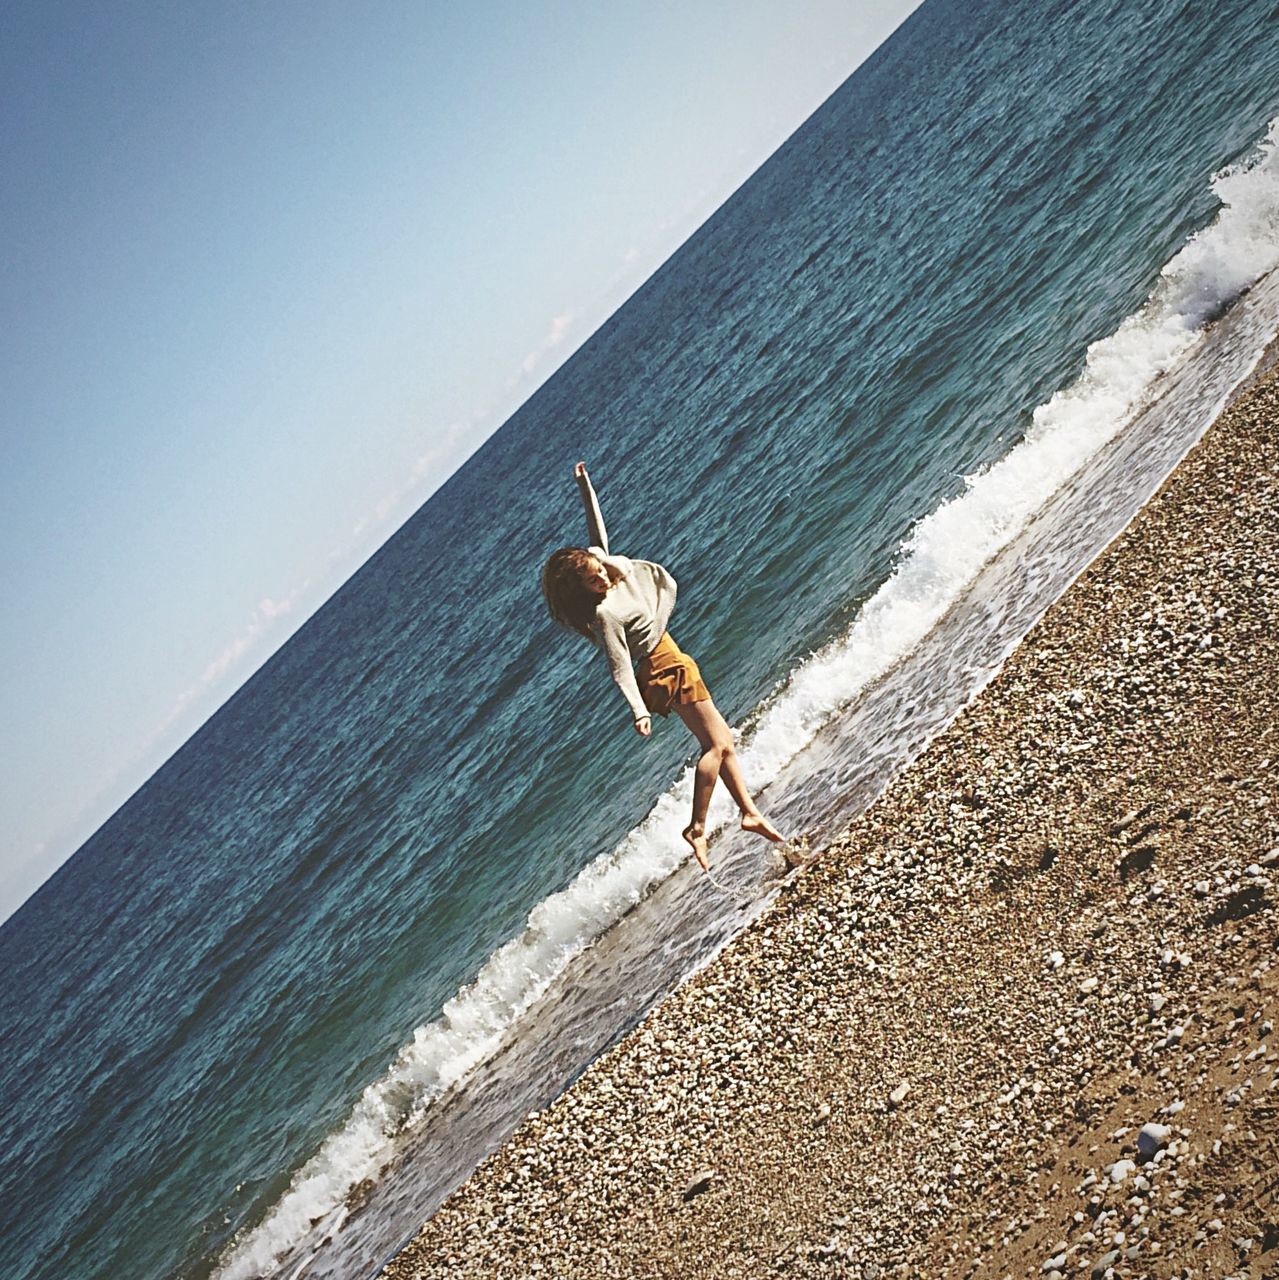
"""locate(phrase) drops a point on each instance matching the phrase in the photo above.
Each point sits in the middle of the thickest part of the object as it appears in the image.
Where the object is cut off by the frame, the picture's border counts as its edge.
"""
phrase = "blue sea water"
(419, 870)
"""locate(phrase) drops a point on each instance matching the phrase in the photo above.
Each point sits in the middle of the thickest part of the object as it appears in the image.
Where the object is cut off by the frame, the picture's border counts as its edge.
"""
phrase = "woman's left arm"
(594, 519)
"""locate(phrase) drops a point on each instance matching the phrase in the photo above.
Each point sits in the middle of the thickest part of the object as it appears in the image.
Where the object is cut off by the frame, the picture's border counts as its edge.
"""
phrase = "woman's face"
(597, 576)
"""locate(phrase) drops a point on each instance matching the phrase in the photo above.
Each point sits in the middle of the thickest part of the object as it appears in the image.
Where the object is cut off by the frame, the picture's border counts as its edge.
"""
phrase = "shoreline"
(1091, 815)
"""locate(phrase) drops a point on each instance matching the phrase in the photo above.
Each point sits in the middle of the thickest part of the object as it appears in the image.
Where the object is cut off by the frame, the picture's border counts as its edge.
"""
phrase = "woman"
(622, 606)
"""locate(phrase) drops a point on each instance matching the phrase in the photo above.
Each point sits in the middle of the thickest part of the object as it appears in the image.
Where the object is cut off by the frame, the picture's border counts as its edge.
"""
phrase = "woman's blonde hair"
(571, 597)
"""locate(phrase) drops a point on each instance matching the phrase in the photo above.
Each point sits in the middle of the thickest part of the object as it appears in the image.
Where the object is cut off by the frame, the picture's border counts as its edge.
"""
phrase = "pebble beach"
(1018, 1019)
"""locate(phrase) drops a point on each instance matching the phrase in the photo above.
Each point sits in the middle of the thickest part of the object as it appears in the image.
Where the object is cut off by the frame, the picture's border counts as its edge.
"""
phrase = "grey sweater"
(633, 615)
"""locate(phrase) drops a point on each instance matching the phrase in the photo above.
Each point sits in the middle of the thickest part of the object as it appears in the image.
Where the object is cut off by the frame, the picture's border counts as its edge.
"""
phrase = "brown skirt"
(668, 676)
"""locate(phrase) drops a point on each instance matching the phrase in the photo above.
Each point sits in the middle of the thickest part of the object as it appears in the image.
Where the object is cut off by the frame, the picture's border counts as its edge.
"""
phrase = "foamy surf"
(938, 561)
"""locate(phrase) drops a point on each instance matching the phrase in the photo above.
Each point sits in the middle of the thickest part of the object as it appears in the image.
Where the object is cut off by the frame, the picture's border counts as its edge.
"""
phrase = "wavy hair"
(570, 598)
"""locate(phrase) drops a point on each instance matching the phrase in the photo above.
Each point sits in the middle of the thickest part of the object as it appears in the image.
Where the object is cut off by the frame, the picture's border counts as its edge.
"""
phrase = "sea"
(418, 872)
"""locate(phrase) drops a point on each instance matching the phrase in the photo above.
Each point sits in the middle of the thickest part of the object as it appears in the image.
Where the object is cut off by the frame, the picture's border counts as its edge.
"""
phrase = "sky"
(271, 273)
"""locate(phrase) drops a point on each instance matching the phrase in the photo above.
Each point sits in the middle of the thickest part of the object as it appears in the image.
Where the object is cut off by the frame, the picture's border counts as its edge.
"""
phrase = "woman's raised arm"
(594, 520)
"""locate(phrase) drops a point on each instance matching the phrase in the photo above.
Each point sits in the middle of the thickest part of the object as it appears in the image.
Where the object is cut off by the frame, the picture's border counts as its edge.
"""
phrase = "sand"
(1018, 1020)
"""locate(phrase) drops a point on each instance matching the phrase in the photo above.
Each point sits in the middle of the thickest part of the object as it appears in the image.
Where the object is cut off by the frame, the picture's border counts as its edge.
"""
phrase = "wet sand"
(1018, 1019)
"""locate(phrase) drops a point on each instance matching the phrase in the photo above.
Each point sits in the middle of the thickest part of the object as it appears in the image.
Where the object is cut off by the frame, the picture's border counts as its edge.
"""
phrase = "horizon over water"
(419, 871)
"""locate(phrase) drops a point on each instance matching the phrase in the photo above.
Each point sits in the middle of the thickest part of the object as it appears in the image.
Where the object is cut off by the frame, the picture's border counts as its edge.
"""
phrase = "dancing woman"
(622, 606)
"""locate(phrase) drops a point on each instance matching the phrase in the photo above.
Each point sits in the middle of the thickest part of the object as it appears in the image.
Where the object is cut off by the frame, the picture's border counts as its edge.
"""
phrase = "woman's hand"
(644, 726)
(579, 471)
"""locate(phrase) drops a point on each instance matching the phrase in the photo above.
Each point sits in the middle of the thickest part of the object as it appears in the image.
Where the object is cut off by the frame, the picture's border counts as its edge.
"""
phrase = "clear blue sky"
(271, 273)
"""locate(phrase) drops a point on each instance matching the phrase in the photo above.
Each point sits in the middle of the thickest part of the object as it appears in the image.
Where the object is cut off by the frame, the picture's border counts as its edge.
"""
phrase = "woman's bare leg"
(718, 759)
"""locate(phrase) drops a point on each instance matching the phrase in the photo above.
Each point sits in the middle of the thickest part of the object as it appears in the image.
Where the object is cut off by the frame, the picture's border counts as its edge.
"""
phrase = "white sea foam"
(939, 560)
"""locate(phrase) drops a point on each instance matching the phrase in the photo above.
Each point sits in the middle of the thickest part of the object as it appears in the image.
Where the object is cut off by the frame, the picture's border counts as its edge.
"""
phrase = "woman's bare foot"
(696, 837)
(759, 825)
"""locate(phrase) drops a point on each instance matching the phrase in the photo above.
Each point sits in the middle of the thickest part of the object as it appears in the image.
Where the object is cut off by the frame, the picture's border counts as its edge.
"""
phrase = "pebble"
(1152, 1137)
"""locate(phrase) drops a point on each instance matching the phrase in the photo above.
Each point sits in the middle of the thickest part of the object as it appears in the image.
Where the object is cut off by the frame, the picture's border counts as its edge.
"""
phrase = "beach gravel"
(1018, 1019)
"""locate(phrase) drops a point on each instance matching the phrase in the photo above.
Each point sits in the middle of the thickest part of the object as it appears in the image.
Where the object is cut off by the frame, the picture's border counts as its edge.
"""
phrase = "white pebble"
(1151, 1137)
